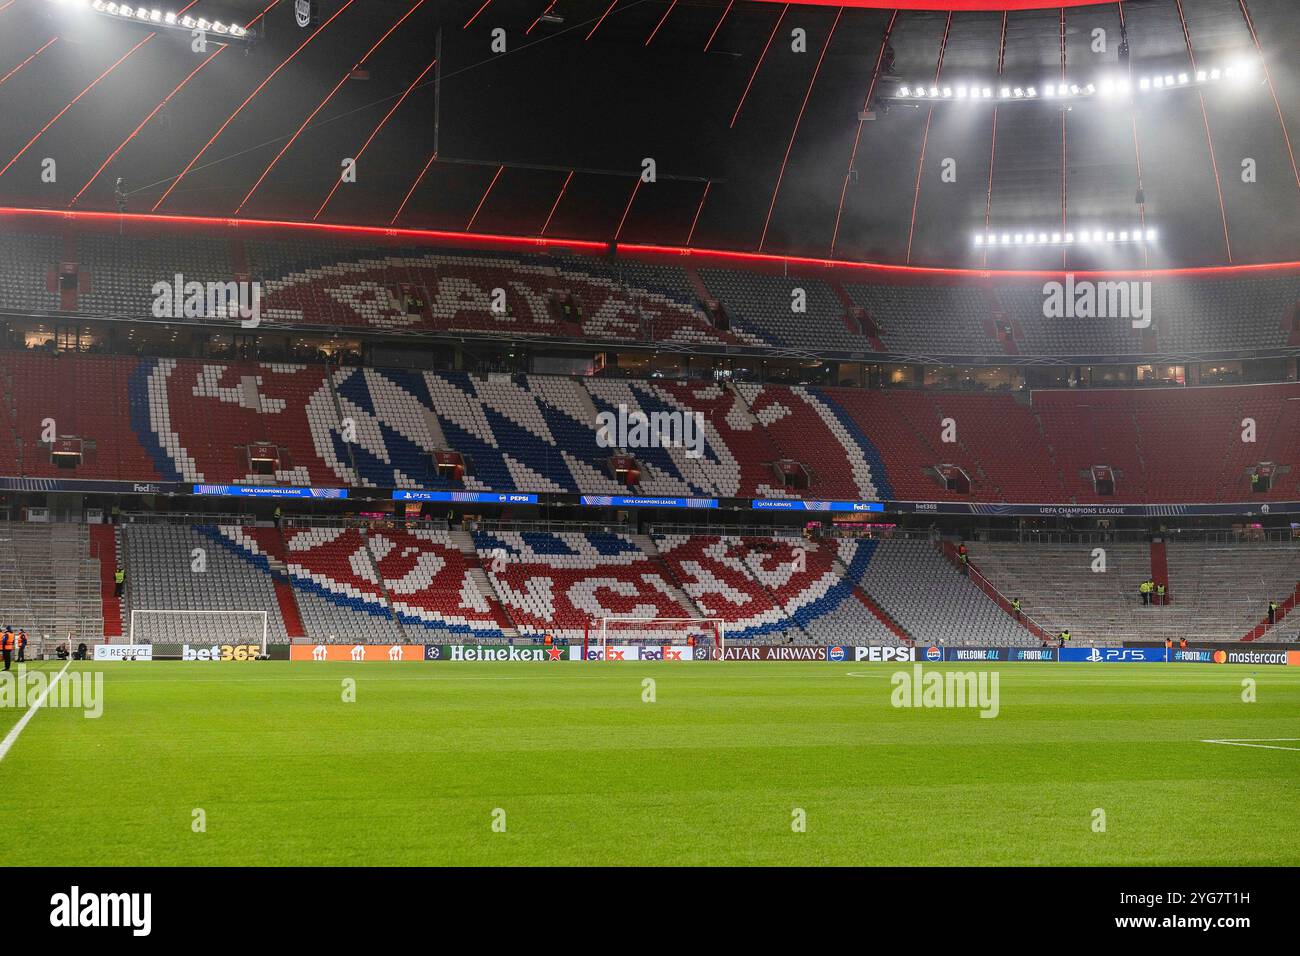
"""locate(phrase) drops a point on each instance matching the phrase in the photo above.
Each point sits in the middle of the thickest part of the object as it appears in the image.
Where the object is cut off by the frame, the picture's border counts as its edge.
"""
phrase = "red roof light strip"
(219, 223)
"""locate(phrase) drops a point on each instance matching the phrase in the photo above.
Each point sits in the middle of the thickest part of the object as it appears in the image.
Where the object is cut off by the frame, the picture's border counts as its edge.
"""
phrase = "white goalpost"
(707, 634)
(171, 626)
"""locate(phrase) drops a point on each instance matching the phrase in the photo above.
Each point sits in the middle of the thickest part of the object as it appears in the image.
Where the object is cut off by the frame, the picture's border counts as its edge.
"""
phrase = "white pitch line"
(17, 728)
(1247, 742)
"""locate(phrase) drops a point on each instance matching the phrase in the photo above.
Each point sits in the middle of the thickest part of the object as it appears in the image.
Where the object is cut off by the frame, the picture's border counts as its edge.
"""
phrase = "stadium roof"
(759, 136)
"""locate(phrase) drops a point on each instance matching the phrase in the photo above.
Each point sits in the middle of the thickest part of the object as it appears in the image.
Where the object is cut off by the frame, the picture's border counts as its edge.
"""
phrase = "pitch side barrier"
(201, 652)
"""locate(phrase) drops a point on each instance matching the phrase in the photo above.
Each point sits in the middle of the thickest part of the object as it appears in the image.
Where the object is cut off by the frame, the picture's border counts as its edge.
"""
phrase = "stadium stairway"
(883, 616)
(1160, 565)
(647, 545)
(846, 316)
(1284, 609)
(912, 581)
(398, 625)
(846, 614)
(1059, 590)
(949, 551)
(464, 542)
(337, 586)
(272, 544)
(104, 548)
(430, 585)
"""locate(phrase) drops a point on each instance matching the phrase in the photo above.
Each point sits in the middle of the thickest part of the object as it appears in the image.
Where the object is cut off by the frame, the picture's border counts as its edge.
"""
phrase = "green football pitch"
(266, 763)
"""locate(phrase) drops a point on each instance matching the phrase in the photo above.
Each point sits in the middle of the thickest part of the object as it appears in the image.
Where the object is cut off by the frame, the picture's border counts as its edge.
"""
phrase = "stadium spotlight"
(1104, 86)
(158, 18)
(1126, 235)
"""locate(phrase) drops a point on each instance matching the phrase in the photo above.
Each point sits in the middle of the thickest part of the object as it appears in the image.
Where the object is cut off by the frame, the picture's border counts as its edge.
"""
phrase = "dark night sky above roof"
(555, 129)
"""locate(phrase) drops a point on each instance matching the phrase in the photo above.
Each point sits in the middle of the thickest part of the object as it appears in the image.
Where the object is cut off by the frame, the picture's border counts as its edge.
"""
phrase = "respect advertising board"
(123, 652)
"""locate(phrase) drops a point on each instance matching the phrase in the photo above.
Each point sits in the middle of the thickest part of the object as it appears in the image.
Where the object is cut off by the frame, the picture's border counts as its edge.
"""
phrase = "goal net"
(655, 638)
(169, 626)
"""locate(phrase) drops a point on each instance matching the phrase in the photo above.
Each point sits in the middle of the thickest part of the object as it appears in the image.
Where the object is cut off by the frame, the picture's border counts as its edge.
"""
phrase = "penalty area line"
(1257, 742)
(17, 728)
